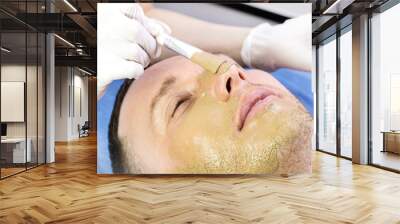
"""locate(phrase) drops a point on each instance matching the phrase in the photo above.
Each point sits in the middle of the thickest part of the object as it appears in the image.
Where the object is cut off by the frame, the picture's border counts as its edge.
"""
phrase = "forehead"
(176, 67)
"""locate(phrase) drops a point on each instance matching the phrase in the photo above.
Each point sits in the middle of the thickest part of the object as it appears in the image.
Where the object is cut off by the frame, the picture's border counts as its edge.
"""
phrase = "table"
(391, 141)
(13, 150)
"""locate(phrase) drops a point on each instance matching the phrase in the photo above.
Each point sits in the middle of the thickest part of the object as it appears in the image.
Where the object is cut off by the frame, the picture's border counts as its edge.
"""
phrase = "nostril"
(228, 84)
(241, 76)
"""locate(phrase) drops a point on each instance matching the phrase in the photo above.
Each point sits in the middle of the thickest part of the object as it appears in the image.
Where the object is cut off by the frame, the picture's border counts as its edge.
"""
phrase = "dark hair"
(115, 146)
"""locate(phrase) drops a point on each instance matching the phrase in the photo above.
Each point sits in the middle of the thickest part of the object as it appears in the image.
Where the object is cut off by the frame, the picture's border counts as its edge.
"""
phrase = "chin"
(288, 130)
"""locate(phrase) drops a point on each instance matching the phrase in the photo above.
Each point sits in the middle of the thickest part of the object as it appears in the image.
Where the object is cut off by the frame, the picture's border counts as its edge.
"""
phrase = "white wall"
(62, 81)
(34, 126)
(13, 100)
(71, 94)
(12, 73)
(80, 100)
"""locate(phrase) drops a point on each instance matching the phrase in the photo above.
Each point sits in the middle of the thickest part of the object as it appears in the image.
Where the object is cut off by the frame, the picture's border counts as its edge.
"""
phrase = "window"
(327, 96)
(346, 93)
(385, 89)
(22, 88)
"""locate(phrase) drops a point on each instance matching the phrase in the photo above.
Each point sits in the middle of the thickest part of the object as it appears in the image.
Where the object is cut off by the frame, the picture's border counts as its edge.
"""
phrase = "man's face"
(179, 118)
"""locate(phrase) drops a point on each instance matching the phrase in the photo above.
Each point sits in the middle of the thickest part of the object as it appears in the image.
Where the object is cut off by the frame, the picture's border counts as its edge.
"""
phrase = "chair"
(84, 130)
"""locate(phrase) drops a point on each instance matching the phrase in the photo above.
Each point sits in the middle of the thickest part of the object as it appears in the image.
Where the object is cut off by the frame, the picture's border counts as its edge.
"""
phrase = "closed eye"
(181, 103)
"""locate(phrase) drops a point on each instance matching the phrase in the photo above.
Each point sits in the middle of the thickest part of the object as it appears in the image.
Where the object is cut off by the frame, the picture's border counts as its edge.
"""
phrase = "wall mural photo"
(218, 94)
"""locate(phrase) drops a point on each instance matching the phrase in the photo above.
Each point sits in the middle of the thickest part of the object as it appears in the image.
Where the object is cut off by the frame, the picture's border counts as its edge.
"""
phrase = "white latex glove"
(285, 45)
(126, 42)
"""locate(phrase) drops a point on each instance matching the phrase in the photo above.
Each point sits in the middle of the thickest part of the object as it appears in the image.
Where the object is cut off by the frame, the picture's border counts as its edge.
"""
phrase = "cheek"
(200, 128)
(205, 141)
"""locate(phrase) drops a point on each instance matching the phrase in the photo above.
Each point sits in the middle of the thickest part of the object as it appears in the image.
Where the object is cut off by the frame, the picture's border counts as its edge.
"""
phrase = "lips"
(253, 102)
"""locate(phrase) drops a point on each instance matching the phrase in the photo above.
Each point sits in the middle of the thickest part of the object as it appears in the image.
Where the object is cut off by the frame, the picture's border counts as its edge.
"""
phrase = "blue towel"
(104, 110)
(298, 83)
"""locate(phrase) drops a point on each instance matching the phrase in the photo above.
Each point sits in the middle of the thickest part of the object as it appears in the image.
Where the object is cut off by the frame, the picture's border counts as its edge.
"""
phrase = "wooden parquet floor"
(10, 171)
(70, 191)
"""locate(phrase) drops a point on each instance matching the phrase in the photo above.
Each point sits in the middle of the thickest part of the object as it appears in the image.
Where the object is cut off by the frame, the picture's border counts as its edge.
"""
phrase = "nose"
(229, 83)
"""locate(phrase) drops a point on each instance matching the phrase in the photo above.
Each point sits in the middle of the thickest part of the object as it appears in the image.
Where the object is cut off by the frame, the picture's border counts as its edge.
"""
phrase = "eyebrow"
(165, 87)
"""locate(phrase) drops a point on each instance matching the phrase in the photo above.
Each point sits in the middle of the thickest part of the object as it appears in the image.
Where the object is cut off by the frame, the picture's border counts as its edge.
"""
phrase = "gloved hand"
(126, 42)
(285, 45)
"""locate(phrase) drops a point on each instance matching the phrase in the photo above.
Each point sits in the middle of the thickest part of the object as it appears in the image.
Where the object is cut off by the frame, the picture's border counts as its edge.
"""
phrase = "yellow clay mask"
(212, 63)
(206, 139)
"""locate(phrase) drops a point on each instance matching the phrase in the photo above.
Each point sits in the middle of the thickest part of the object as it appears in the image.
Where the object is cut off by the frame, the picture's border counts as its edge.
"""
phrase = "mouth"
(252, 103)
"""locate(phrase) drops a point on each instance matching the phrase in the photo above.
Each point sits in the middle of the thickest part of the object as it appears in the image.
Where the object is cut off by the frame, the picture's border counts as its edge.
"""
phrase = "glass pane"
(346, 94)
(41, 98)
(314, 75)
(386, 89)
(327, 97)
(23, 90)
(13, 86)
(31, 100)
(31, 88)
